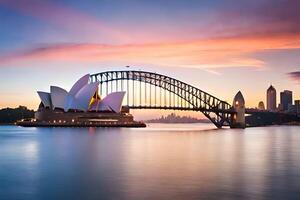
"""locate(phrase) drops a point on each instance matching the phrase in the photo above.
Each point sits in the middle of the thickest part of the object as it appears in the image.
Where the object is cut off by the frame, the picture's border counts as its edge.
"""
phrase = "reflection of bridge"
(147, 90)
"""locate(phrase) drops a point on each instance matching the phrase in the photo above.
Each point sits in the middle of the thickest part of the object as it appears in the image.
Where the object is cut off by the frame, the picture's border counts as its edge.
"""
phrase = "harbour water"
(162, 161)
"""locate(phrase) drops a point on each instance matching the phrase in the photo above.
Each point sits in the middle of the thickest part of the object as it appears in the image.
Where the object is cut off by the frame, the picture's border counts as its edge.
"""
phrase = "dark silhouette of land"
(173, 118)
(12, 115)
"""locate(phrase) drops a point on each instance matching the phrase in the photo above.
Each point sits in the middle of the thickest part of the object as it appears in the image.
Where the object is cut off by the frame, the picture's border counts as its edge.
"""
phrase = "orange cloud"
(205, 54)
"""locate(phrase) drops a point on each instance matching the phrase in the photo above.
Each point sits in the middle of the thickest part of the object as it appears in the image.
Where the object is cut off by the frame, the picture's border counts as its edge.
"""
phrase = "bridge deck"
(229, 111)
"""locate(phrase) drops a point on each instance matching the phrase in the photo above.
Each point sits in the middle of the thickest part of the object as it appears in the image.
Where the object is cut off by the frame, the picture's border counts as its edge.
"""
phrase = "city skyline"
(218, 47)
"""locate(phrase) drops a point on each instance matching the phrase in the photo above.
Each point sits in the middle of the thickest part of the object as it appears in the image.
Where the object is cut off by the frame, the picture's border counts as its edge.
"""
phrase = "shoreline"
(7, 124)
(137, 125)
(133, 124)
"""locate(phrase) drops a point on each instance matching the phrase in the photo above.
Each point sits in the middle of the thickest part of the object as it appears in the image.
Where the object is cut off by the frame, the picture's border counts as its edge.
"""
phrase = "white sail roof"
(58, 96)
(79, 84)
(45, 98)
(80, 96)
(72, 103)
(112, 101)
(85, 94)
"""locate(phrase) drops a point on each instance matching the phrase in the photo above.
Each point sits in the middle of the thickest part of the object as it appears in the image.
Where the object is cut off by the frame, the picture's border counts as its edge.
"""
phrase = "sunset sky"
(218, 46)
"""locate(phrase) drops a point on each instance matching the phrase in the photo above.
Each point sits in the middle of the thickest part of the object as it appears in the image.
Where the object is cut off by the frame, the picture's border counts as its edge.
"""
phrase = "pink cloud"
(204, 54)
(295, 76)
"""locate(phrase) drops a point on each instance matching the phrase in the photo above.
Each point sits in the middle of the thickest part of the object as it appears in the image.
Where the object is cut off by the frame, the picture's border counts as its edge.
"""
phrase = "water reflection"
(159, 162)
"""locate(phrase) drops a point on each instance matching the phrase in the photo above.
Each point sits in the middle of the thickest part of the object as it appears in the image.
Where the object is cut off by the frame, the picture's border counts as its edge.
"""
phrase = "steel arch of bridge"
(168, 93)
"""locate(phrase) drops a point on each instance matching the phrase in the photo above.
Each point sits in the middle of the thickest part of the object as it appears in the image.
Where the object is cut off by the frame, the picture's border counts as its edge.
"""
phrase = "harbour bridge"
(148, 90)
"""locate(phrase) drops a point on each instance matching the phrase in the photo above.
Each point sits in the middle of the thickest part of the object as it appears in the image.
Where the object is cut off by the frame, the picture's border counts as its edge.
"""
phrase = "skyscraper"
(271, 98)
(286, 99)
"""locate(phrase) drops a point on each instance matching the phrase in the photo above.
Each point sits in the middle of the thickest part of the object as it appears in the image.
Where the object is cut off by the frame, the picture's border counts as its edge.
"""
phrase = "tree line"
(12, 115)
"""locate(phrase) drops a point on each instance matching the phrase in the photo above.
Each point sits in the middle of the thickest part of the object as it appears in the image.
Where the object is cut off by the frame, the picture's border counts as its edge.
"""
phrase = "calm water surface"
(159, 162)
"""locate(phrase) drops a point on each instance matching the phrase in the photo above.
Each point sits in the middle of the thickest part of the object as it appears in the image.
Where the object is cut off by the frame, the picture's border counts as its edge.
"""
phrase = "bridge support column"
(238, 118)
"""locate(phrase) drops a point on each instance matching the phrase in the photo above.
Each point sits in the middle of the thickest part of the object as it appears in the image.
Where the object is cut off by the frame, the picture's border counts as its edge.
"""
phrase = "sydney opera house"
(81, 106)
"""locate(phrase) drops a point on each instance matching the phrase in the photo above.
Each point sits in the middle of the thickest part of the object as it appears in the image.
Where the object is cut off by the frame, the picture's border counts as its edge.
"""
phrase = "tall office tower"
(286, 99)
(271, 98)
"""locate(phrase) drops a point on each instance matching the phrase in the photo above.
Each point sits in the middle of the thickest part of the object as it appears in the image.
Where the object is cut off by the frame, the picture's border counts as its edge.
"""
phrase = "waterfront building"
(81, 106)
(83, 96)
(280, 107)
(261, 105)
(286, 99)
(271, 99)
(295, 108)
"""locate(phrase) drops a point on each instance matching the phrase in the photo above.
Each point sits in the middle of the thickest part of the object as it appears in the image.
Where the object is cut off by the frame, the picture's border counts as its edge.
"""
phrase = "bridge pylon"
(238, 118)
